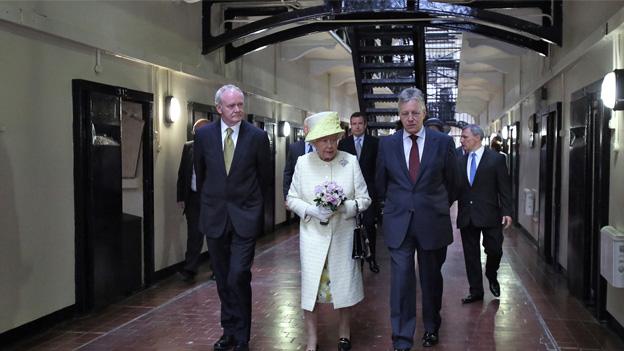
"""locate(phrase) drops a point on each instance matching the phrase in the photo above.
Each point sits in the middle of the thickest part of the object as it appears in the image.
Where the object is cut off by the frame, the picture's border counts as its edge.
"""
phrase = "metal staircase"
(386, 60)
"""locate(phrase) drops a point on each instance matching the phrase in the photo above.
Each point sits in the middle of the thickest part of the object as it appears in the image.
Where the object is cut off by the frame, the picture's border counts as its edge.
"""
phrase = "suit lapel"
(350, 145)
(463, 166)
(241, 144)
(482, 164)
(427, 152)
(218, 145)
(303, 150)
(400, 154)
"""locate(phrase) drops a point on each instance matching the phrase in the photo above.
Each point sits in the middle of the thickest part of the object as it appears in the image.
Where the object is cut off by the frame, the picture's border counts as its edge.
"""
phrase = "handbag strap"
(358, 219)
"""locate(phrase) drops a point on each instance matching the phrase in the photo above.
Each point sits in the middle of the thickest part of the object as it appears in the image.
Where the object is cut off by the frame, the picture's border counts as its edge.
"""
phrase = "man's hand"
(286, 205)
(506, 222)
(181, 204)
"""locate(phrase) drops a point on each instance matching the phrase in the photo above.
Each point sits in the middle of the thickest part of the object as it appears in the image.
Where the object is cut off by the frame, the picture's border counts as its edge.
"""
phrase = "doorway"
(114, 195)
(514, 165)
(589, 150)
(549, 126)
(270, 127)
(296, 135)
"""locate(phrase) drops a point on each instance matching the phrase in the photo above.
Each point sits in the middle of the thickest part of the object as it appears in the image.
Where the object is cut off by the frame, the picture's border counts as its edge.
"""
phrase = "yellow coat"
(334, 241)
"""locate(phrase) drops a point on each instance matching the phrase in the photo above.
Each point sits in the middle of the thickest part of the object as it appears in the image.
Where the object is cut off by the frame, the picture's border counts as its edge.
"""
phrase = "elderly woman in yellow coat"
(328, 273)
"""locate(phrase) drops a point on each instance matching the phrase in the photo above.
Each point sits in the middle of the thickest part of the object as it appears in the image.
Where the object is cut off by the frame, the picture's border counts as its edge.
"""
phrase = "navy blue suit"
(295, 150)
(185, 193)
(231, 215)
(481, 208)
(416, 218)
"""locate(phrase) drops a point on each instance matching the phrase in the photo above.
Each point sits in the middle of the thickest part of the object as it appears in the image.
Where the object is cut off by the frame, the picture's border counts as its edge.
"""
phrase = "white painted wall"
(586, 56)
(52, 43)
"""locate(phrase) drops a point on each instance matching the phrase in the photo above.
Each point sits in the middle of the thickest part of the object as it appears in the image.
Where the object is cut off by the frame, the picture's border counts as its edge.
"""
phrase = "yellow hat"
(323, 124)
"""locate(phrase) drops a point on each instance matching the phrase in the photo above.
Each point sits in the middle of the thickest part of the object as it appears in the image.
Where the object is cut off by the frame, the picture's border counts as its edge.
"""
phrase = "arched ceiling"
(495, 33)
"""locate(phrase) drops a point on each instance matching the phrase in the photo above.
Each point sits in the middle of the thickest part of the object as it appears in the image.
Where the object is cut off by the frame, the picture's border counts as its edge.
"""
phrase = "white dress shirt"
(479, 153)
(235, 130)
(407, 144)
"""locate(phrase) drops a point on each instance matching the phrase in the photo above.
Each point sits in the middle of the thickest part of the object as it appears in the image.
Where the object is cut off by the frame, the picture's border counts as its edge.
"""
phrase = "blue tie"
(358, 147)
(473, 167)
(310, 149)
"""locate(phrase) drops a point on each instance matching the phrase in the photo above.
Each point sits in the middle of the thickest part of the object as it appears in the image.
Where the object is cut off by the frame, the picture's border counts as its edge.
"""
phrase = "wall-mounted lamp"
(172, 109)
(612, 90)
(505, 133)
(283, 129)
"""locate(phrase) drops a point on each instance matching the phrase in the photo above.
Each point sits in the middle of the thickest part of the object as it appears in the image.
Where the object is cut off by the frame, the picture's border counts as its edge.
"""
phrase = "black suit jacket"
(185, 172)
(238, 195)
(367, 161)
(489, 198)
(428, 200)
(295, 150)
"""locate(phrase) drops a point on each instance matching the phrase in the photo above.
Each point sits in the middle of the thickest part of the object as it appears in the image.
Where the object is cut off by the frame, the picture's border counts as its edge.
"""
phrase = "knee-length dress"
(333, 242)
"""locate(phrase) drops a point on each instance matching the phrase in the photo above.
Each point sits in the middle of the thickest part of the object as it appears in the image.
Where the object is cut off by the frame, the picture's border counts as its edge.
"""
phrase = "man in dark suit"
(296, 149)
(233, 177)
(188, 200)
(364, 147)
(484, 207)
(417, 177)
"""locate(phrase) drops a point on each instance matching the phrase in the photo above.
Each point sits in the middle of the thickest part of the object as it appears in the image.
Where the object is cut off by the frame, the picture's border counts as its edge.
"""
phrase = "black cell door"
(102, 234)
(514, 166)
(549, 121)
(588, 199)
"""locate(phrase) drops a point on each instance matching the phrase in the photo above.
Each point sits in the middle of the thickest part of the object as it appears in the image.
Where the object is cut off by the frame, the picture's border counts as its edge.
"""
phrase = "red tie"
(414, 159)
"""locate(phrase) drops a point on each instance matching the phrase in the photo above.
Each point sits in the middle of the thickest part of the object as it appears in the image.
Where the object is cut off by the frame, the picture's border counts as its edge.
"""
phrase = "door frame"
(253, 118)
(550, 181)
(82, 134)
(593, 292)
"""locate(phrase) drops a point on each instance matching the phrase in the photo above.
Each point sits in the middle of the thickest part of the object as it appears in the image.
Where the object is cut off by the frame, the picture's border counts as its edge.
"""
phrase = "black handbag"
(361, 245)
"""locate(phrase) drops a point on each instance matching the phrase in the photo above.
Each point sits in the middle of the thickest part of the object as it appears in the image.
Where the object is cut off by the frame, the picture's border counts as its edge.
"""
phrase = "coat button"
(471, 202)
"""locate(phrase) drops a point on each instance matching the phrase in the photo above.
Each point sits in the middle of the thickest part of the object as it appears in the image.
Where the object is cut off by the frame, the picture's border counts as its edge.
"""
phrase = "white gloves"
(346, 205)
(321, 213)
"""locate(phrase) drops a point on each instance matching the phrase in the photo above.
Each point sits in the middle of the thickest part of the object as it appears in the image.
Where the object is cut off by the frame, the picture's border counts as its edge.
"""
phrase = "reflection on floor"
(535, 311)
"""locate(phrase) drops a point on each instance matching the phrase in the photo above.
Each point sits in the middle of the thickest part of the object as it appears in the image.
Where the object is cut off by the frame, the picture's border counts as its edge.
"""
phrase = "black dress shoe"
(495, 287)
(344, 344)
(401, 349)
(241, 346)
(224, 343)
(372, 264)
(472, 298)
(187, 276)
(430, 339)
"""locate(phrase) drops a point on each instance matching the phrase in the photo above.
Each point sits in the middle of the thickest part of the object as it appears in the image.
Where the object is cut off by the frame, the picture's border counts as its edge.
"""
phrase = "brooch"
(343, 162)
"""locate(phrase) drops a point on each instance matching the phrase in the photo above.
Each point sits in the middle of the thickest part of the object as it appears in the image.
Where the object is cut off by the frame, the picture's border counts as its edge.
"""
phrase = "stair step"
(381, 97)
(389, 81)
(386, 50)
(388, 33)
(387, 66)
(382, 111)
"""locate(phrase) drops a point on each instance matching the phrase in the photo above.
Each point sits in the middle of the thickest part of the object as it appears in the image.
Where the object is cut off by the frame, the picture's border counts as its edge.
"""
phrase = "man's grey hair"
(475, 130)
(410, 94)
(225, 88)
(199, 123)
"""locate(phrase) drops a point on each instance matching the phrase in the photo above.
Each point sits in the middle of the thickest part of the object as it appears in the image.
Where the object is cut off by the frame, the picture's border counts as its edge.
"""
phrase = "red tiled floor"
(535, 311)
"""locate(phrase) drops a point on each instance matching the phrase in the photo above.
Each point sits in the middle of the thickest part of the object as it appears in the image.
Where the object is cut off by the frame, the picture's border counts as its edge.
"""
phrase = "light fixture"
(505, 133)
(283, 129)
(612, 90)
(172, 109)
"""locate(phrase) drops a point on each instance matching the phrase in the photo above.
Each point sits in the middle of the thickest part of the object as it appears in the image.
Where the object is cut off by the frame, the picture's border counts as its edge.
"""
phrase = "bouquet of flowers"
(329, 195)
